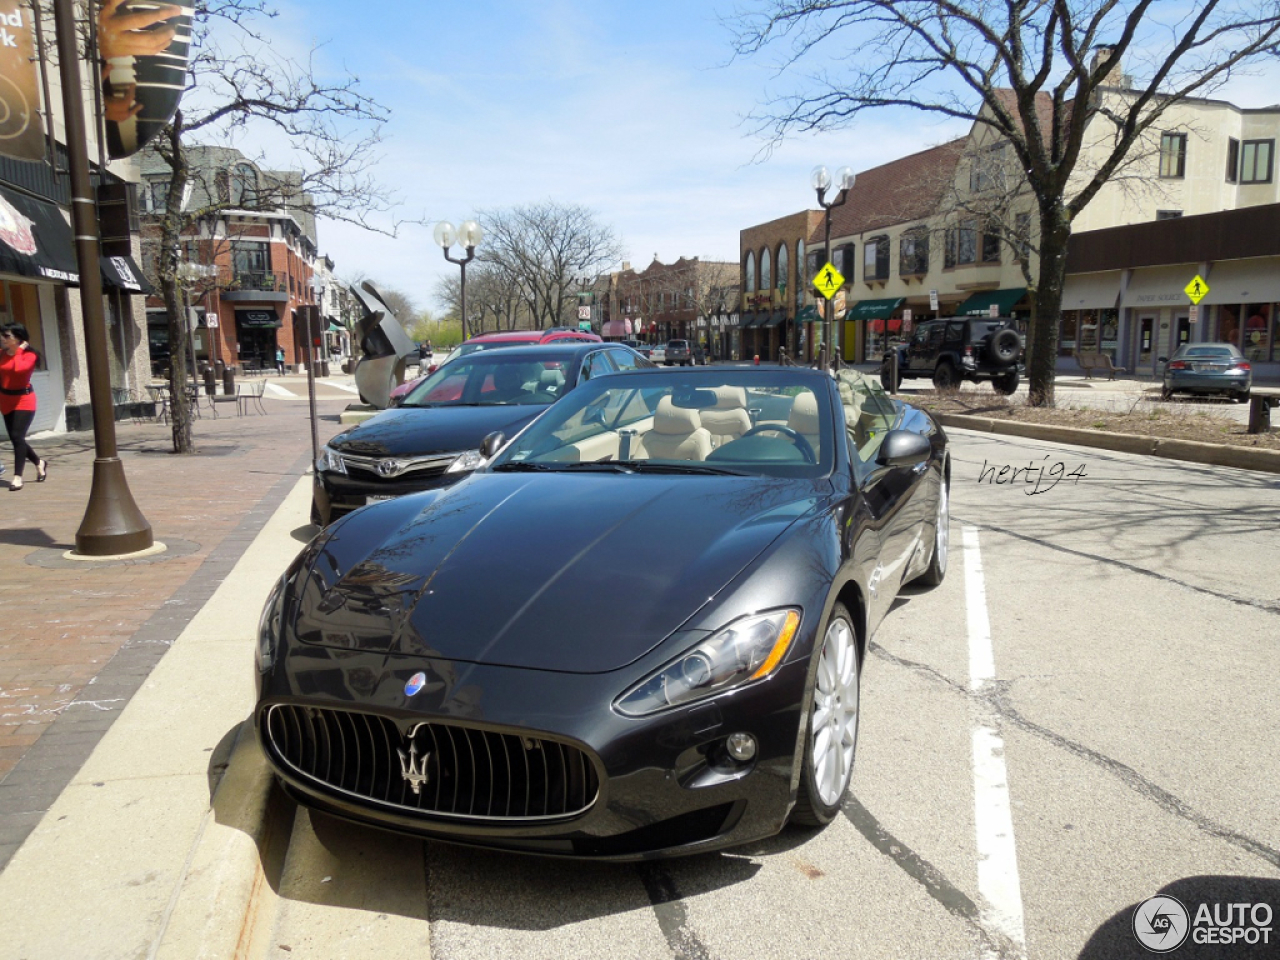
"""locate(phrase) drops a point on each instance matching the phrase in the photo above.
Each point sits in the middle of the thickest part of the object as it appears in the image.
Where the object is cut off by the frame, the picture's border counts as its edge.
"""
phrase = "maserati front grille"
(438, 769)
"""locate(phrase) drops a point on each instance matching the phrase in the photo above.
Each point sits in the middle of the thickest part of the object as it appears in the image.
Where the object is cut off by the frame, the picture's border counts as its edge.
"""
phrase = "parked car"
(639, 630)
(1207, 368)
(658, 353)
(639, 346)
(678, 351)
(430, 438)
(489, 341)
(959, 348)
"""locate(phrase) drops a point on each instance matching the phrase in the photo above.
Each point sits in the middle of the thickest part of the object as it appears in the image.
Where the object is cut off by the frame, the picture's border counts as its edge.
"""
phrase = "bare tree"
(1023, 69)
(544, 248)
(237, 86)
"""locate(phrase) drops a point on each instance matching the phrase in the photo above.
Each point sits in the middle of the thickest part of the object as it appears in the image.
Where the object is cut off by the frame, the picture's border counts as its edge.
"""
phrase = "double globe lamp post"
(821, 181)
(468, 236)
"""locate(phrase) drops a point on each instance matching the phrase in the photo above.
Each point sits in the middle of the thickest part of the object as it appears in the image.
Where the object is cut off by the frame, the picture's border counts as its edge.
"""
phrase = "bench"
(1091, 360)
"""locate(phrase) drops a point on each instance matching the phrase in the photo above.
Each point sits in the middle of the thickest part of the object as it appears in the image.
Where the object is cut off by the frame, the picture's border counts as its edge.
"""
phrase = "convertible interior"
(723, 424)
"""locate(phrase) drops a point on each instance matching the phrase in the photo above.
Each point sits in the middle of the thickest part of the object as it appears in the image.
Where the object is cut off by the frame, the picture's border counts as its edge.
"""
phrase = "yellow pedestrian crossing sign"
(1196, 289)
(828, 281)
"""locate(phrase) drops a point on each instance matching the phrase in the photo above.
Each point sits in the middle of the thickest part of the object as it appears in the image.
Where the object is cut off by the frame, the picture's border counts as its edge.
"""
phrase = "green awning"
(336, 327)
(750, 320)
(773, 319)
(874, 309)
(979, 304)
(809, 315)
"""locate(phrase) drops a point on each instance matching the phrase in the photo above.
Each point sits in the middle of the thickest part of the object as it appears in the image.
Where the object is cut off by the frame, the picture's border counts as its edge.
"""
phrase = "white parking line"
(999, 889)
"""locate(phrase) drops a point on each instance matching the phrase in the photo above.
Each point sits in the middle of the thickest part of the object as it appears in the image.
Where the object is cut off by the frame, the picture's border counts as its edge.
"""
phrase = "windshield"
(735, 421)
(490, 377)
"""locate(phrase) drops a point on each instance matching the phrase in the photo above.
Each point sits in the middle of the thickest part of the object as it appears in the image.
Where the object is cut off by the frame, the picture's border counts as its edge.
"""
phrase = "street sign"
(828, 281)
(211, 321)
(933, 300)
(993, 311)
(1194, 313)
(584, 313)
(1196, 289)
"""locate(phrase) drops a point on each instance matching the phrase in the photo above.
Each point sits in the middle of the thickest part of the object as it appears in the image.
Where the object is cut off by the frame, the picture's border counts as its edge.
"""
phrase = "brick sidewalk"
(78, 637)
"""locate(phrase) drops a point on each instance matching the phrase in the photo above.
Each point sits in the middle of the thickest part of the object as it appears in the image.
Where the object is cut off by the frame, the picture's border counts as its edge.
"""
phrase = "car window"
(654, 423)
(869, 413)
(597, 365)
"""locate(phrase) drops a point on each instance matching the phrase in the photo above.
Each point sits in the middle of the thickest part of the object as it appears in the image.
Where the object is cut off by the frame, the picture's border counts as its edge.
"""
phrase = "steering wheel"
(803, 445)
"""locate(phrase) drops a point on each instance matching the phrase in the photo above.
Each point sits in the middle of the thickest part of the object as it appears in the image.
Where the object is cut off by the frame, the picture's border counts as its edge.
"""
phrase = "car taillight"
(1242, 365)
(968, 351)
(1177, 365)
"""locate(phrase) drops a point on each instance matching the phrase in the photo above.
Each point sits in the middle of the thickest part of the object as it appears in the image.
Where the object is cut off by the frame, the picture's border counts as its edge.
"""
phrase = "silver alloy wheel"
(942, 529)
(835, 713)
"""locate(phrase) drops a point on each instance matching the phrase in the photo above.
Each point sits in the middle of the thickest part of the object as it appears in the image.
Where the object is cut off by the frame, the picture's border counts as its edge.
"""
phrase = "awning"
(35, 241)
(750, 320)
(980, 304)
(1092, 291)
(1153, 287)
(809, 315)
(874, 309)
(336, 327)
(1244, 282)
(616, 328)
(773, 319)
(124, 274)
(258, 319)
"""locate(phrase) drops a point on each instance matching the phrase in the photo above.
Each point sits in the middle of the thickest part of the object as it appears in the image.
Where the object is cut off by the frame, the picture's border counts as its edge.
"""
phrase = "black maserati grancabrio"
(638, 629)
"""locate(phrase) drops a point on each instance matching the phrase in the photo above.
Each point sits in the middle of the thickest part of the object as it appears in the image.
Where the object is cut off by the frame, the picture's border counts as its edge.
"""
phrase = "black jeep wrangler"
(960, 348)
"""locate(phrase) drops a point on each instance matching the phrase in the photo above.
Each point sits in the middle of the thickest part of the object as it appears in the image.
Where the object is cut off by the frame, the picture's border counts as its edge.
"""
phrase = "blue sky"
(636, 113)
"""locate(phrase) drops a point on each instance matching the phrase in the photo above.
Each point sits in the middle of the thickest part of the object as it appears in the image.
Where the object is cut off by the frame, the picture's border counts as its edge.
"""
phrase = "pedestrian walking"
(18, 400)
(280, 360)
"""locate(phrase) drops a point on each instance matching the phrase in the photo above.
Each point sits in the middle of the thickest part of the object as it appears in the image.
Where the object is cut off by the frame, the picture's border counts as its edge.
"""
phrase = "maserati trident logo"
(411, 769)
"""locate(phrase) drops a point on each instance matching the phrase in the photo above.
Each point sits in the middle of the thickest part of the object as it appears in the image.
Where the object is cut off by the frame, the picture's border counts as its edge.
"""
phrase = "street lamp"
(821, 181)
(189, 274)
(468, 236)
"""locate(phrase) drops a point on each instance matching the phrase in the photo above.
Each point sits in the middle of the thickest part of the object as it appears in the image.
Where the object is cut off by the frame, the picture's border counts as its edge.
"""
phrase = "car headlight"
(746, 650)
(466, 462)
(331, 460)
(270, 624)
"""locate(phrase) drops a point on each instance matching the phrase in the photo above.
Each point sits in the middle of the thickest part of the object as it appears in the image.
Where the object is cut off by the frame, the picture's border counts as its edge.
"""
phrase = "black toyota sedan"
(639, 629)
(431, 437)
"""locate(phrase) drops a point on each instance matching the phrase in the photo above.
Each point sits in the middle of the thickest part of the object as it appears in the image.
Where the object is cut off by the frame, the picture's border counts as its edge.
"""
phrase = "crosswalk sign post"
(828, 282)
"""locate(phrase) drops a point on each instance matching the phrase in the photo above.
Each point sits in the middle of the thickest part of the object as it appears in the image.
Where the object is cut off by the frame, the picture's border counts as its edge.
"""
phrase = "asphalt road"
(1082, 716)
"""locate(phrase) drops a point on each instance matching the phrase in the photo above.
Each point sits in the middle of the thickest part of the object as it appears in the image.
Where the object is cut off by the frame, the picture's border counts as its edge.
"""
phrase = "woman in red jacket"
(18, 400)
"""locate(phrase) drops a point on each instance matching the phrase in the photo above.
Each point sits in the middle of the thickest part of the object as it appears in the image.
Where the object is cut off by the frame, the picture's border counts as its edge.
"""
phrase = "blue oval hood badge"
(416, 683)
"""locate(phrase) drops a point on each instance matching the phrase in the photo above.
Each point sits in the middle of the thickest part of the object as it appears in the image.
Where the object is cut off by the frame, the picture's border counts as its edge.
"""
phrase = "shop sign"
(21, 134)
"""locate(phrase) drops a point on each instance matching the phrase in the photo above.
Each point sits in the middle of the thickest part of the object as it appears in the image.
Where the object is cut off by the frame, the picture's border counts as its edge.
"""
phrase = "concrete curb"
(1243, 458)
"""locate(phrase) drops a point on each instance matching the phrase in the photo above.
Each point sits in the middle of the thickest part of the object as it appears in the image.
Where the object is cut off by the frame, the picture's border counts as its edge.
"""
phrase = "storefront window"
(20, 303)
(1228, 325)
(1257, 343)
(1067, 333)
(1087, 328)
(1109, 327)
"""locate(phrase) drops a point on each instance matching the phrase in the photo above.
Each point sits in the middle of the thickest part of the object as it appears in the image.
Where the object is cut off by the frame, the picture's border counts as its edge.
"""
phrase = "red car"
(490, 341)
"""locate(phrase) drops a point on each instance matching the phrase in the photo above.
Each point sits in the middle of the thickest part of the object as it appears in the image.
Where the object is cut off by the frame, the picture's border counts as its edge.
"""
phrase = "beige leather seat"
(803, 419)
(728, 419)
(677, 434)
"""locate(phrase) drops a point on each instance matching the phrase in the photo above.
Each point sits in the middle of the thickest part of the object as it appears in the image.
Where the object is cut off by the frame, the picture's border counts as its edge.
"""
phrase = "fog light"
(741, 746)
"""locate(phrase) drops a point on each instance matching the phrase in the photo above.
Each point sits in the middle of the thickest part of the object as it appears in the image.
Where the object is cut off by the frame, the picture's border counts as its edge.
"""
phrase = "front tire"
(831, 735)
(1240, 396)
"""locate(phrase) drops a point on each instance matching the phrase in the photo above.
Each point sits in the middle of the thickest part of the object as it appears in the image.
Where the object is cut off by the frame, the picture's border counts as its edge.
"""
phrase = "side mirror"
(396, 401)
(492, 443)
(903, 448)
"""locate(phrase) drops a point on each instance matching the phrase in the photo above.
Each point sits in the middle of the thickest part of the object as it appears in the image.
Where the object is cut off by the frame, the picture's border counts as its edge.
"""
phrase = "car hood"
(414, 431)
(579, 574)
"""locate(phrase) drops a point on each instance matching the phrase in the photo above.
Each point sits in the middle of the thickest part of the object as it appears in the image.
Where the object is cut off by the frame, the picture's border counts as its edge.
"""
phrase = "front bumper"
(665, 784)
(336, 494)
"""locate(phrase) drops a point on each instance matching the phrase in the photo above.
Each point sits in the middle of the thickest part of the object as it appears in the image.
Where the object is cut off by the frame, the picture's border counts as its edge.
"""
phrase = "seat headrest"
(731, 398)
(670, 419)
(804, 414)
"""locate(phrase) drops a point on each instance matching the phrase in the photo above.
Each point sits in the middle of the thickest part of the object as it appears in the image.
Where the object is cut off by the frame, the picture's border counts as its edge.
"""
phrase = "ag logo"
(1161, 923)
